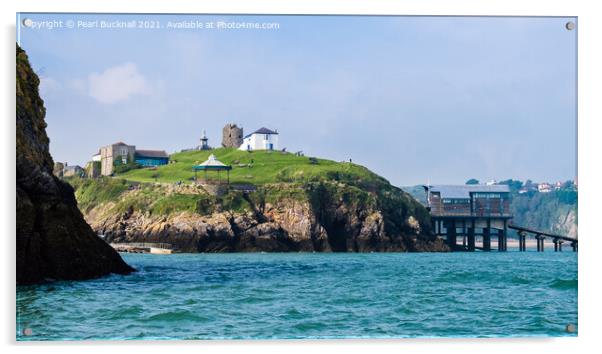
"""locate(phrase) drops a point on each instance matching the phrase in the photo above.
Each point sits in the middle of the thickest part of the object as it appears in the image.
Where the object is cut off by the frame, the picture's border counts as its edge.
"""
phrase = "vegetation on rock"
(297, 205)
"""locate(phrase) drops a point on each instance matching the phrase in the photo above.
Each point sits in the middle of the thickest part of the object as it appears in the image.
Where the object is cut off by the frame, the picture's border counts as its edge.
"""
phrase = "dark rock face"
(53, 239)
(320, 223)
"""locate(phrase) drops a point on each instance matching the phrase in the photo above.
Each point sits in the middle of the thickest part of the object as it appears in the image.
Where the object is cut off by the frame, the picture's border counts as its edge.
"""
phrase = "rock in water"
(53, 239)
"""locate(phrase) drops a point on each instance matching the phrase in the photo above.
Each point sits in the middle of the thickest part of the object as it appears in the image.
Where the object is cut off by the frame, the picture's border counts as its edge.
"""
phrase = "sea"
(310, 296)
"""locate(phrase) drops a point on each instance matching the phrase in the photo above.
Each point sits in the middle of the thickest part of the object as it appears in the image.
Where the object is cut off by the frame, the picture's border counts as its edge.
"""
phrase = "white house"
(261, 139)
(544, 187)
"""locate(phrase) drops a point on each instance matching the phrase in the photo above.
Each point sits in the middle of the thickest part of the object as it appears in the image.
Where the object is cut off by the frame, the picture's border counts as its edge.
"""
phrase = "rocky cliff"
(555, 212)
(325, 216)
(53, 239)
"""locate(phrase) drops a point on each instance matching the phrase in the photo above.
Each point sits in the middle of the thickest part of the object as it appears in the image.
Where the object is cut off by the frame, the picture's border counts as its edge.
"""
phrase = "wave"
(517, 279)
(564, 284)
(175, 316)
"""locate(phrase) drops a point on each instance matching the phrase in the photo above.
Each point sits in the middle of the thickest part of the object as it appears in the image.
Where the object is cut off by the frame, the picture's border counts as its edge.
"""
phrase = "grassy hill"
(257, 167)
(300, 204)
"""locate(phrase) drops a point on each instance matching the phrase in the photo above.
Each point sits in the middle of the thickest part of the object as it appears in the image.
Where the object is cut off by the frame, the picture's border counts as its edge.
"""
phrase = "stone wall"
(93, 169)
(58, 169)
(232, 136)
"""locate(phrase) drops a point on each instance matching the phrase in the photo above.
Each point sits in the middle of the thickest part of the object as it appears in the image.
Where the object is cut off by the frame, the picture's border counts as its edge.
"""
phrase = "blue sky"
(415, 99)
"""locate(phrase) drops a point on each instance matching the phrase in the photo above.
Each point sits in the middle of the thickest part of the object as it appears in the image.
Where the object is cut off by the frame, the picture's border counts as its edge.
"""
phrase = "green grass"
(175, 203)
(278, 177)
(150, 198)
(281, 179)
(265, 167)
(90, 192)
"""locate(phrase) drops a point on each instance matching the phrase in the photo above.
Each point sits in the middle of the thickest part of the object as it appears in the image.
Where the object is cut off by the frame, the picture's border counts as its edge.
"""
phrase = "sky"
(415, 99)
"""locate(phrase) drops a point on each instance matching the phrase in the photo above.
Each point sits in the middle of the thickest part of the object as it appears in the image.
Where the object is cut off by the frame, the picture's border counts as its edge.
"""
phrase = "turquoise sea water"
(259, 295)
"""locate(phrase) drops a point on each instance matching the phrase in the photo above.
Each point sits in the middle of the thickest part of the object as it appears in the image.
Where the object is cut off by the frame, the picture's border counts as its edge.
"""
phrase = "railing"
(541, 233)
(540, 236)
(145, 245)
(470, 214)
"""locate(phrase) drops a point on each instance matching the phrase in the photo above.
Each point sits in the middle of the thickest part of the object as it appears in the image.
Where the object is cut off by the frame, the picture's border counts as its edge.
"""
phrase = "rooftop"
(152, 153)
(463, 191)
(72, 168)
(212, 163)
(262, 130)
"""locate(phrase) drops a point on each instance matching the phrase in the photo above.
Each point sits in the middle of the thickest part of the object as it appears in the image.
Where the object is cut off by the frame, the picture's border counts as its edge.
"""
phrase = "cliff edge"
(327, 215)
(53, 239)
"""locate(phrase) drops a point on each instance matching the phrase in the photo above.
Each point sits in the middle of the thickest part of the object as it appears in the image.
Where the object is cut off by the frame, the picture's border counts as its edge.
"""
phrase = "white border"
(589, 24)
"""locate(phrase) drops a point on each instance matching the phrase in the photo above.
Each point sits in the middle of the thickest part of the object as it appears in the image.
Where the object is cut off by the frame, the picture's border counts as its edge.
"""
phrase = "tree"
(120, 167)
(514, 185)
(472, 181)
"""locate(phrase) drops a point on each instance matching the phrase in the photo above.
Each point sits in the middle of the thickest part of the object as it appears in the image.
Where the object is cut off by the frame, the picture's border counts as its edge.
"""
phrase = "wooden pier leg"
(505, 235)
(487, 239)
(521, 238)
(451, 234)
(499, 244)
(501, 240)
(574, 245)
(560, 245)
(471, 239)
(555, 245)
(541, 242)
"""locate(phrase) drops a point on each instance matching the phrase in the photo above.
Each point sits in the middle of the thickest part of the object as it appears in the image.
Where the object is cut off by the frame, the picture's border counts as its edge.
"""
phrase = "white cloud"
(117, 84)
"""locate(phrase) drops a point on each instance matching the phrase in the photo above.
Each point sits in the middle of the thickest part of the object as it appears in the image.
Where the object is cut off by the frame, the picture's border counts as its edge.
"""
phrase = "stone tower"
(231, 136)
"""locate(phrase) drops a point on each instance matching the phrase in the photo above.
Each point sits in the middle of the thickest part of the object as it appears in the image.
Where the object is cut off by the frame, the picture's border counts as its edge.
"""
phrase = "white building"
(493, 182)
(544, 187)
(261, 139)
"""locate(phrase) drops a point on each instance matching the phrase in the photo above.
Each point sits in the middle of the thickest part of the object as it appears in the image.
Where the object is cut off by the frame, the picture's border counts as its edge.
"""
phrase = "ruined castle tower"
(231, 136)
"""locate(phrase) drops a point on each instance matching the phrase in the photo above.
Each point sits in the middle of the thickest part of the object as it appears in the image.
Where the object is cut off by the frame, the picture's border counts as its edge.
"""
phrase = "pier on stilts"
(476, 213)
(540, 237)
(469, 217)
(476, 233)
